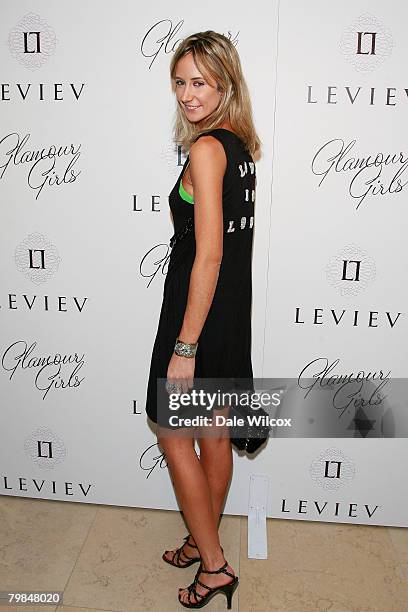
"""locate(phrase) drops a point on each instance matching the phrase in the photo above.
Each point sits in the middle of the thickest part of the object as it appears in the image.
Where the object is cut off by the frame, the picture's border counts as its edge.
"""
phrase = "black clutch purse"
(255, 431)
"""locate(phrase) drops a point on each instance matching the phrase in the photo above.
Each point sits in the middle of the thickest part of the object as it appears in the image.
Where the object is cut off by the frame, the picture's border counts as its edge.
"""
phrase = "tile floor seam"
(80, 551)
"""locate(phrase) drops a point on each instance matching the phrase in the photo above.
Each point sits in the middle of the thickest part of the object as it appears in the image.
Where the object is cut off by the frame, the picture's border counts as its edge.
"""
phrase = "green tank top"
(183, 193)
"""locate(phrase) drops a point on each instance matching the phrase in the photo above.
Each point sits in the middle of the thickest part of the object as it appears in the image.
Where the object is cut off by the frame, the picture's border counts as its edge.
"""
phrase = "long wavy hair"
(216, 56)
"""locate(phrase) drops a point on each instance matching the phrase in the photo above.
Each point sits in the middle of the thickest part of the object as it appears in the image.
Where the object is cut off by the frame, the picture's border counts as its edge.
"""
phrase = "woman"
(205, 328)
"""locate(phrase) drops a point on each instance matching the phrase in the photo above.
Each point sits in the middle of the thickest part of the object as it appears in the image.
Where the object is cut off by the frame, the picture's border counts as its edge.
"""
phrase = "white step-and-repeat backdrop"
(86, 165)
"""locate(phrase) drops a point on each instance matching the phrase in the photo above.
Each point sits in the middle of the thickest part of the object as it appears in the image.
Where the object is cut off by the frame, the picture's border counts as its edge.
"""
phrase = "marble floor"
(109, 558)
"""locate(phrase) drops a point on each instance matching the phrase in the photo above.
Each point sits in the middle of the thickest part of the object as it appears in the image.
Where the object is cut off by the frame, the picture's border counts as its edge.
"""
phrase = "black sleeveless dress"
(224, 345)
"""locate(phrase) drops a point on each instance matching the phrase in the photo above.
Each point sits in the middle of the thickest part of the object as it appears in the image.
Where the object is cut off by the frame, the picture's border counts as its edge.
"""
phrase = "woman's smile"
(190, 107)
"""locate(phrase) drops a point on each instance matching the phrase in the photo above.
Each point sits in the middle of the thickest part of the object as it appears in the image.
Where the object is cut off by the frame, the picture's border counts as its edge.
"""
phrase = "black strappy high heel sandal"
(176, 561)
(201, 600)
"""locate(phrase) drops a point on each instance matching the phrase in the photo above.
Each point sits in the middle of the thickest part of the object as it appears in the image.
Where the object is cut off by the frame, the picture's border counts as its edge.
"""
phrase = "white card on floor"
(258, 503)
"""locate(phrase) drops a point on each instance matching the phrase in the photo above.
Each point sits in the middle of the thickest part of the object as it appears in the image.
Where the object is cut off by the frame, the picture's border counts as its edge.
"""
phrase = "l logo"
(360, 40)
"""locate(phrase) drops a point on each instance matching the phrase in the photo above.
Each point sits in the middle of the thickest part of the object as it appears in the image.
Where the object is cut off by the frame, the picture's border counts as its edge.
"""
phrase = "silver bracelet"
(185, 350)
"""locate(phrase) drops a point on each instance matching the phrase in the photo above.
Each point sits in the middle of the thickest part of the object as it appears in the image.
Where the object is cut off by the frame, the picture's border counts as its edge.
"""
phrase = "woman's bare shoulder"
(207, 150)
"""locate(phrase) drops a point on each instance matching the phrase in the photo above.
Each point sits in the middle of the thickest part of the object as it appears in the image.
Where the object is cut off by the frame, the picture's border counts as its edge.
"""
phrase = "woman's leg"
(216, 459)
(217, 463)
(193, 493)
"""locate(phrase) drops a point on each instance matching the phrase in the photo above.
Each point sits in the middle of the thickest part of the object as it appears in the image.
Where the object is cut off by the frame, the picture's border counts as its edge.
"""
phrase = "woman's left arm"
(207, 167)
(208, 163)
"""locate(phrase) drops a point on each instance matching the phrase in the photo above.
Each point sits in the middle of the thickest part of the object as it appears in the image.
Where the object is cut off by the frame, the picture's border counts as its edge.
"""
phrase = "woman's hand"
(181, 372)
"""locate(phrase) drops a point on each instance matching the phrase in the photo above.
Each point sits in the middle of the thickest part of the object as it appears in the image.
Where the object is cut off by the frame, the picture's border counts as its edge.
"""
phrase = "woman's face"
(197, 97)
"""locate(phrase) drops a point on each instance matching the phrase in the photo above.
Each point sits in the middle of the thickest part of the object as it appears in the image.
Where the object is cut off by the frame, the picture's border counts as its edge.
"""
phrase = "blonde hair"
(215, 56)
